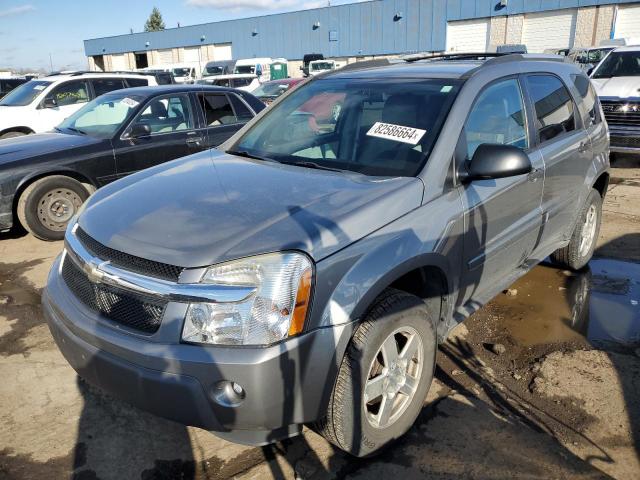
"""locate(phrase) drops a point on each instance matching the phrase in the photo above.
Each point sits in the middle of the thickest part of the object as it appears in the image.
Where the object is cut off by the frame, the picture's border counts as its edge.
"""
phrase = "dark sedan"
(45, 178)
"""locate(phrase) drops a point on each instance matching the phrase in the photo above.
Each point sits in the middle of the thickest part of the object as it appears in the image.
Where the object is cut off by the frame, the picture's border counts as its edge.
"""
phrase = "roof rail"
(376, 62)
(453, 56)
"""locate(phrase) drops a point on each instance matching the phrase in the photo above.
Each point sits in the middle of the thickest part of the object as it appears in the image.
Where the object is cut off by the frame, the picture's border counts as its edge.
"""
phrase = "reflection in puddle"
(600, 303)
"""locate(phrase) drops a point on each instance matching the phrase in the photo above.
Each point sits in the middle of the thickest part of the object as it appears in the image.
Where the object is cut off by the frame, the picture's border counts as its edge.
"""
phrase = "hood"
(617, 87)
(212, 207)
(29, 146)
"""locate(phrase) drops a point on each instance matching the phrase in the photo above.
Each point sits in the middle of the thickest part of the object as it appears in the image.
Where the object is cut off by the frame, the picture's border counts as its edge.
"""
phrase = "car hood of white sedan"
(618, 87)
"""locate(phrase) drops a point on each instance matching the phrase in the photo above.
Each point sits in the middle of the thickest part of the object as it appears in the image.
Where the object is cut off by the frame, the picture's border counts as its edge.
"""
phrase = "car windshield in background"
(103, 116)
(598, 54)
(213, 70)
(181, 72)
(270, 89)
(377, 127)
(619, 64)
(24, 94)
(321, 66)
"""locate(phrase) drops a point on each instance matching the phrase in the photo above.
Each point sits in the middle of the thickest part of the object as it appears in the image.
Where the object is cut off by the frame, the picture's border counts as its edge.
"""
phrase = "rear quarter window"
(137, 82)
(589, 97)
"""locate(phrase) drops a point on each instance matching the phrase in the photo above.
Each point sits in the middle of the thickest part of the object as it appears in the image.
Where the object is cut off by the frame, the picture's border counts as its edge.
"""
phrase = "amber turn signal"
(302, 304)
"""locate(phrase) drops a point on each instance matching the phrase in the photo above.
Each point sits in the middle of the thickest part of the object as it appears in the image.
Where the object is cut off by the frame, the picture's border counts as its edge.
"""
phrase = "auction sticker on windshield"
(398, 133)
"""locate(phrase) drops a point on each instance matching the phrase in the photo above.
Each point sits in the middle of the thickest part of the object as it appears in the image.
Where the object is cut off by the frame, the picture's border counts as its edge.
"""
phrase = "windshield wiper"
(77, 130)
(245, 154)
(315, 165)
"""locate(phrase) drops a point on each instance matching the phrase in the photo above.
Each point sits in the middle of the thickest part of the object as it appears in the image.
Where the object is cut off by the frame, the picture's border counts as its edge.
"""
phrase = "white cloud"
(17, 10)
(257, 4)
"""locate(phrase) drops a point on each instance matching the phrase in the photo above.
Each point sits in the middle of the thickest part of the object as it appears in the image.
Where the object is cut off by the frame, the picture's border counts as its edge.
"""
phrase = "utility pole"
(51, 61)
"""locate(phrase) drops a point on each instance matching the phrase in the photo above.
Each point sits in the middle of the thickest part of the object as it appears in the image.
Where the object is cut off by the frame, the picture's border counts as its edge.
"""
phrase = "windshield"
(375, 126)
(25, 93)
(181, 72)
(245, 69)
(619, 64)
(274, 89)
(103, 116)
(321, 66)
(598, 54)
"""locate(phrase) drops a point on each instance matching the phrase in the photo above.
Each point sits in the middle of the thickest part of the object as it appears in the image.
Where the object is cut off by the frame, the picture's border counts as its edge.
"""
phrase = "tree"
(155, 22)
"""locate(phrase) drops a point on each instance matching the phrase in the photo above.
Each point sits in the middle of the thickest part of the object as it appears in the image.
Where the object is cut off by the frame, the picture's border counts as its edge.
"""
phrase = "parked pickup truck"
(306, 271)
(617, 82)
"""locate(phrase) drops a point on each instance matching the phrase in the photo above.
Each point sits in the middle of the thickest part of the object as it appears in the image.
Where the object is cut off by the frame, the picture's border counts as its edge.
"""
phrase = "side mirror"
(139, 130)
(49, 102)
(496, 161)
(590, 71)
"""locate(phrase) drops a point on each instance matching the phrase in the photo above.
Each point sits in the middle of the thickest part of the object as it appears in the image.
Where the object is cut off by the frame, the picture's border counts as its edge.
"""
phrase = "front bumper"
(624, 139)
(285, 385)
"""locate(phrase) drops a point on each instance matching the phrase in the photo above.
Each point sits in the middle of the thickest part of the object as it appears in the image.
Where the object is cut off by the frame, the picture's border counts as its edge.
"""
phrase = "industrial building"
(376, 28)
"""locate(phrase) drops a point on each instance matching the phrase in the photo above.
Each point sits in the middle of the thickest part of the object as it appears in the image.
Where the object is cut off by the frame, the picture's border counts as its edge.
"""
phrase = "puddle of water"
(599, 304)
(16, 295)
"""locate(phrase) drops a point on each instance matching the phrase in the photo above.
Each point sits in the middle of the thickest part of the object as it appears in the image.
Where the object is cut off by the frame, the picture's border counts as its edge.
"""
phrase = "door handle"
(194, 141)
(535, 174)
(584, 147)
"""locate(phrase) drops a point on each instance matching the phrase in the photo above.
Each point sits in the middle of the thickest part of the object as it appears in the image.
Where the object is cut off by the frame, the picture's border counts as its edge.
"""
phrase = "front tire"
(585, 235)
(384, 377)
(46, 206)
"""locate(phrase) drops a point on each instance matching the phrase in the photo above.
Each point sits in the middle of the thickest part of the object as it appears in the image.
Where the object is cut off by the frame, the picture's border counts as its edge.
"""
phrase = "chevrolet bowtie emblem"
(94, 271)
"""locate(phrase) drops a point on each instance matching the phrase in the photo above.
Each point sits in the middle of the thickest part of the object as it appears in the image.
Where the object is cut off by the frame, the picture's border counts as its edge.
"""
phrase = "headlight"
(276, 310)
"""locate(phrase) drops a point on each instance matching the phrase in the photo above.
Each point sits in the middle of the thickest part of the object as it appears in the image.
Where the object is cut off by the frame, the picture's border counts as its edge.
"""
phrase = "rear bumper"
(285, 385)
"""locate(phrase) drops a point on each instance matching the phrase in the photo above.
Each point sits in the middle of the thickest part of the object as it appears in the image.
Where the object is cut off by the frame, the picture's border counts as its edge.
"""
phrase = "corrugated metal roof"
(375, 27)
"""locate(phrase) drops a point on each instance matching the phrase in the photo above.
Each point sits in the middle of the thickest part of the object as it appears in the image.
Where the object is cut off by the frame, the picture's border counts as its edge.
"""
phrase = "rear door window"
(217, 109)
(497, 117)
(554, 108)
(106, 85)
(243, 114)
(588, 95)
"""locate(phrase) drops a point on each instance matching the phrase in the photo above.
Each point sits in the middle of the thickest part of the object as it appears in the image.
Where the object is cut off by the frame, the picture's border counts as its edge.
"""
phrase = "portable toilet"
(279, 69)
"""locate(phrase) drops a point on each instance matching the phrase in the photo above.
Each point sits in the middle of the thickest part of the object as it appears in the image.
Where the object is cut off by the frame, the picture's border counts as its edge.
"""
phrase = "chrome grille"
(132, 263)
(132, 310)
(622, 113)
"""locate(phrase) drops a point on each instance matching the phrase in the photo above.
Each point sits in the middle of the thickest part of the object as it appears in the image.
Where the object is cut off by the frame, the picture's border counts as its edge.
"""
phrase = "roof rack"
(453, 56)
(376, 62)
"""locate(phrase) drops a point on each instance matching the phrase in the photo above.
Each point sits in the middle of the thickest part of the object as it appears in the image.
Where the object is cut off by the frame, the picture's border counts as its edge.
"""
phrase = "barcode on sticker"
(398, 133)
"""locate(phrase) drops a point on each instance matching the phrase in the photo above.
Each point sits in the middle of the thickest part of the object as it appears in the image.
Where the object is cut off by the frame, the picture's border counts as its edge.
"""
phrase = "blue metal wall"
(367, 28)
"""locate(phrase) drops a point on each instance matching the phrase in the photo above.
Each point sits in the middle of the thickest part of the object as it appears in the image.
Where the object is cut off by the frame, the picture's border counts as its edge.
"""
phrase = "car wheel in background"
(46, 206)
(584, 237)
(384, 376)
(12, 135)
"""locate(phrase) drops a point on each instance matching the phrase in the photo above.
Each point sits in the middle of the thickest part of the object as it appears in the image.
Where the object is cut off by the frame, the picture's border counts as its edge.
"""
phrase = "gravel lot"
(560, 400)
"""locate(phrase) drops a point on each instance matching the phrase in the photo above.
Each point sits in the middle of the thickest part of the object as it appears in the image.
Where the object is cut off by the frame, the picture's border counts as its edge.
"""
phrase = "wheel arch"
(602, 183)
(22, 129)
(28, 180)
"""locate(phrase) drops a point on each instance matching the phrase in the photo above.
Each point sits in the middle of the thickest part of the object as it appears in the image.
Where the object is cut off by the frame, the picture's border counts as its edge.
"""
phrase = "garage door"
(192, 54)
(165, 56)
(222, 51)
(119, 62)
(627, 21)
(468, 35)
(549, 30)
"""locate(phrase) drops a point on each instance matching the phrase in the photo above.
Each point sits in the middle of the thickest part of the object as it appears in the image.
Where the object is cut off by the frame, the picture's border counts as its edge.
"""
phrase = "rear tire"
(584, 237)
(47, 205)
(378, 395)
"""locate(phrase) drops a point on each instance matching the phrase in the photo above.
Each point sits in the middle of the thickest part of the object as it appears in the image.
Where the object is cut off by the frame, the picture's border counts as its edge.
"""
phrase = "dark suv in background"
(305, 272)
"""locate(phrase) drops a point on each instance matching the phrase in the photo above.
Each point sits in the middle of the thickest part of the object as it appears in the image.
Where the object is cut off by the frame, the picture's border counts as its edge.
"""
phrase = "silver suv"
(306, 271)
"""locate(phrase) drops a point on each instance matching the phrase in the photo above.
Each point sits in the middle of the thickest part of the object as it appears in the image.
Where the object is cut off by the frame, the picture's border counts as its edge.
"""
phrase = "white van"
(317, 67)
(41, 104)
(182, 72)
(261, 67)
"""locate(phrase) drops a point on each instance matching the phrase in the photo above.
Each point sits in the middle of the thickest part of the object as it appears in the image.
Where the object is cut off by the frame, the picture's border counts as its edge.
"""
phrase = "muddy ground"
(544, 382)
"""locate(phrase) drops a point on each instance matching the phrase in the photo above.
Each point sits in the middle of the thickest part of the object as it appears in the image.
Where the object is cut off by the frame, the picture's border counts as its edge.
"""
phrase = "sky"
(37, 33)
